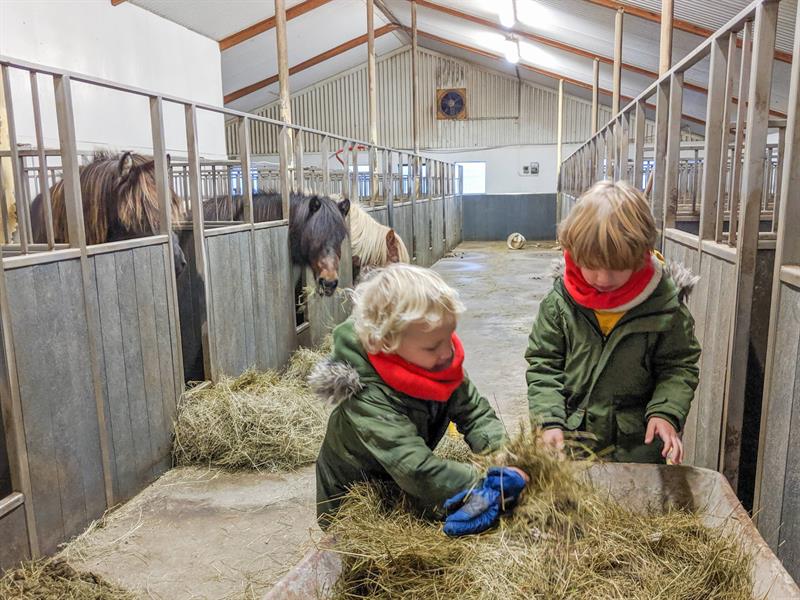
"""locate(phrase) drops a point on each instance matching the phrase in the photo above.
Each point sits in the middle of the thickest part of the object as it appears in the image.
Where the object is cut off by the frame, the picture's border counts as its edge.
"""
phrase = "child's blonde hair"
(388, 300)
(610, 227)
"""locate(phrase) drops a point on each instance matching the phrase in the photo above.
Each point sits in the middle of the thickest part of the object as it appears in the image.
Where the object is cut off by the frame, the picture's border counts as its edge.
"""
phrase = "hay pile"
(51, 579)
(564, 540)
(260, 420)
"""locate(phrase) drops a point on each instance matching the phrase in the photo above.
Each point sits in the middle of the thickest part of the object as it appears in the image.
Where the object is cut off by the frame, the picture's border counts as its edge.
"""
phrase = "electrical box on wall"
(530, 169)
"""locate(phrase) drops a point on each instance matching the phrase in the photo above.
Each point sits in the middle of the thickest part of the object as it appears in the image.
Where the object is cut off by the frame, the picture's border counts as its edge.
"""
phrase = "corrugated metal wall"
(499, 112)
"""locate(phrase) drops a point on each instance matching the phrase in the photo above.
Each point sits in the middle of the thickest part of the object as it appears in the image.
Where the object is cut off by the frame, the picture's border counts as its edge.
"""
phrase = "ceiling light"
(506, 13)
(512, 51)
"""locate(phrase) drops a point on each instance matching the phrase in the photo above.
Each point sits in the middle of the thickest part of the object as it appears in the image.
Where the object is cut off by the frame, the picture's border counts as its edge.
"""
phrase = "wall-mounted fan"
(451, 104)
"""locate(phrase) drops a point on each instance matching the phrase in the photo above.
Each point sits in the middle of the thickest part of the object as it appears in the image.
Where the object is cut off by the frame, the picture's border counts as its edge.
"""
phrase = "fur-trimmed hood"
(334, 381)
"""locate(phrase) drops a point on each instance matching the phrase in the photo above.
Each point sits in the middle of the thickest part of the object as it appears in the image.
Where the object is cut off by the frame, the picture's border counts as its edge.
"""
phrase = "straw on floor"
(564, 540)
(260, 420)
(54, 579)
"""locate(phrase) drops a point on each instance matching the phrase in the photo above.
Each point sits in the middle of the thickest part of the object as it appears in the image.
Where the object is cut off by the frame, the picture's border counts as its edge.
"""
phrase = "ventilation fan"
(451, 104)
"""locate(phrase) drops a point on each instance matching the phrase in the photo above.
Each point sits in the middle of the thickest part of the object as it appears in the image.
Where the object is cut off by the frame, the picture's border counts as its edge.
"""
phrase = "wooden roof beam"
(680, 24)
(544, 72)
(116, 2)
(307, 64)
(545, 41)
(267, 24)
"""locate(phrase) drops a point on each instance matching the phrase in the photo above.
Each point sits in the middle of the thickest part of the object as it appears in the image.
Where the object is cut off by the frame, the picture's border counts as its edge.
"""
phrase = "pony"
(374, 245)
(120, 202)
(317, 228)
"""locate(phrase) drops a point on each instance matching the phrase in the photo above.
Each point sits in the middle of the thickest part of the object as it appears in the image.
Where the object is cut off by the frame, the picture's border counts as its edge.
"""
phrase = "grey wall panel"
(14, 534)
(380, 214)
(57, 397)
(494, 216)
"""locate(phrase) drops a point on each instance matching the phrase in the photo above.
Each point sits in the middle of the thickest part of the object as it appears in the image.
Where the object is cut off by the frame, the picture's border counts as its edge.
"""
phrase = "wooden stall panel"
(139, 368)
(57, 397)
(402, 225)
(453, 224)
(779, 509)
(381, 215)
(232, 301)
(274, 297)
(714, 312)
(14, 536)
(422, 231)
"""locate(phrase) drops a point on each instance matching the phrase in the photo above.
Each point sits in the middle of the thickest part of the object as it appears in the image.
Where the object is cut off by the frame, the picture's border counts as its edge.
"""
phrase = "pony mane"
(128, 202)
(368, 238)
(311, 234)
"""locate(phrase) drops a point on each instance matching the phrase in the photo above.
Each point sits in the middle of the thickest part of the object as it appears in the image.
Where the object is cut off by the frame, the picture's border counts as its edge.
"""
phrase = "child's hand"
(673, 447)
(553, 437)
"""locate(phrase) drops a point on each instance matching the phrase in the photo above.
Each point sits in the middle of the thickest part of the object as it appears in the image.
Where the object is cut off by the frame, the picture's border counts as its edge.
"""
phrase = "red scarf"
(414, 381)
(586, 295)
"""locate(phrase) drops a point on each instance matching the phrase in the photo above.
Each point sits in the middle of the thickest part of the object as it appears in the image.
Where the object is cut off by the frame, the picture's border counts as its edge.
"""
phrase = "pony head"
(317, 230)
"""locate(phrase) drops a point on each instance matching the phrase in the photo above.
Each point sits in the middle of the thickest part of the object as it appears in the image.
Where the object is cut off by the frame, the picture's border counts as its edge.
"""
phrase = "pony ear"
(392, 250)
(125, 165)
(314, 205)
(344, 206)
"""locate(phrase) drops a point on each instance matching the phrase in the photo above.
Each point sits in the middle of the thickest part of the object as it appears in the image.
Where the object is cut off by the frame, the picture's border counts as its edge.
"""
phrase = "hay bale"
(259, 420)
(564, 540)
(51, 579)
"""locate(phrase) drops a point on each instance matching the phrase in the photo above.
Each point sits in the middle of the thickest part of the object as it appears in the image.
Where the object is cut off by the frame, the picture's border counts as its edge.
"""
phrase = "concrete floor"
(198, 533)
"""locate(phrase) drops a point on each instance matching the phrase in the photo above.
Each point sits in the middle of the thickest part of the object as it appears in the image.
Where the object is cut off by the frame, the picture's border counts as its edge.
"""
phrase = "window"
(474, 174)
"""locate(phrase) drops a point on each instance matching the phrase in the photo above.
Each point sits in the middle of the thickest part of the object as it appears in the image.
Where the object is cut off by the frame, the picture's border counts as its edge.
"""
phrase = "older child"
(397, 381)
(613, 351)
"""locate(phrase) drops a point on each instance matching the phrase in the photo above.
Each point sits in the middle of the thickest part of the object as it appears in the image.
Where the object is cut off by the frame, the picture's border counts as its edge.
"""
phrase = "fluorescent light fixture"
(506, 13)
(533, 14)
(529, 52)
(512, 51)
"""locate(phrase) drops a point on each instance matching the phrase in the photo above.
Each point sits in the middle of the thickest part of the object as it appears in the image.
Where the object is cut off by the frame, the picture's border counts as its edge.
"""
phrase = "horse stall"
(91, 362)
(727, 209)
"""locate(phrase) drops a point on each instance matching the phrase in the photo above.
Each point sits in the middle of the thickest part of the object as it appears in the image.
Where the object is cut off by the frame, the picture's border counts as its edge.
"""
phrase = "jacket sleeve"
(545, 375)
(476, 419)
(393, 441)
(675, 364)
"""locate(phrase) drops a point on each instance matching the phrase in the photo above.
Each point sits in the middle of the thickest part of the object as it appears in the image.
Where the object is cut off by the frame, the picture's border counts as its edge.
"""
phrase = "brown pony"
(120, 202)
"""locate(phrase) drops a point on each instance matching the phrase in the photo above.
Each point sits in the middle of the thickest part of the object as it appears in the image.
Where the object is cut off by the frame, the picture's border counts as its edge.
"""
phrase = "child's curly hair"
(392, 298)
(611, 227)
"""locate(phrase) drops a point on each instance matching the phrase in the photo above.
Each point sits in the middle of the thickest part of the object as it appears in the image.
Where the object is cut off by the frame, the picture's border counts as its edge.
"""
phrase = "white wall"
(504, 167)
(125, 44)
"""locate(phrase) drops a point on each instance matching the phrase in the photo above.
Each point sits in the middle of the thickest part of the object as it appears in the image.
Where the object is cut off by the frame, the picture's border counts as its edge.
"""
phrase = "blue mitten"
(507, 482)
(480, 511)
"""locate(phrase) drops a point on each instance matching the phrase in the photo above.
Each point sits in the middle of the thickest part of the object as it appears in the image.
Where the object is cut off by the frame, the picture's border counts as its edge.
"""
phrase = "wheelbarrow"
(641, 487)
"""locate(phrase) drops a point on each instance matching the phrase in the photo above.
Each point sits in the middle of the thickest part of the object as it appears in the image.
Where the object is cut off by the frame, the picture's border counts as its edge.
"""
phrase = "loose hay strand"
(564, 540)
(48, 579)
(259, 420)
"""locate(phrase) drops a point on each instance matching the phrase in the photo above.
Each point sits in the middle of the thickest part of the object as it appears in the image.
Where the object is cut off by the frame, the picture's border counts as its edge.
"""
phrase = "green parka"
(375, 432)
(609, 386)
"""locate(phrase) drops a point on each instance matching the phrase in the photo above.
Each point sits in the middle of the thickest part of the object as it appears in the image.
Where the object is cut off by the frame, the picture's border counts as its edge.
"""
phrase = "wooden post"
(660, 154)
(595, 92)
(414, 79)
(6, 171)
(617, 61)
(715, 124)
(747, 250)
(665, 54)
(768, 503)
(44, 184)
(283, 61)
(673, 158)
(373, 104)
(624, 145)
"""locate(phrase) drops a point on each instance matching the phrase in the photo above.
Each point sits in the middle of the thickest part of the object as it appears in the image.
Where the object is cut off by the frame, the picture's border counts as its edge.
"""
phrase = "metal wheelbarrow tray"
(636, 486)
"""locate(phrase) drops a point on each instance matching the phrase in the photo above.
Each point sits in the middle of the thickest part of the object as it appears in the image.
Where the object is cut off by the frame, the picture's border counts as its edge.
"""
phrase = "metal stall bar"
(298, 162)
(638, 146)
(765, 28)
(16, 166)
(714, 139)
(207, 329)
(734, 192)
(43, 184)
(660, 153)
(77, 237)
(161, 171)
(324, 151)
(671, 189)
(724, 167)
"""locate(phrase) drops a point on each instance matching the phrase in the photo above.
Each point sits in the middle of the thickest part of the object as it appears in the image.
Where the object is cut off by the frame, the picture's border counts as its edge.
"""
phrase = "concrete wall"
(125, 44)
(495, 216)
